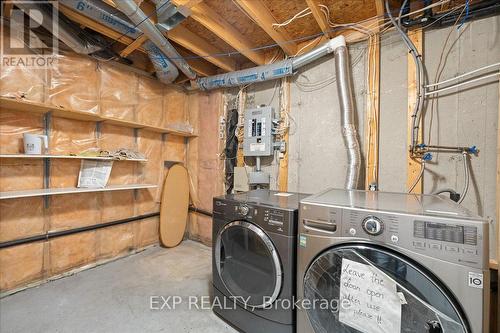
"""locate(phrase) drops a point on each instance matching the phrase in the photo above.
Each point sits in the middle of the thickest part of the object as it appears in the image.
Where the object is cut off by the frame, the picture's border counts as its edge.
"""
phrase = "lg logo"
(476, 280)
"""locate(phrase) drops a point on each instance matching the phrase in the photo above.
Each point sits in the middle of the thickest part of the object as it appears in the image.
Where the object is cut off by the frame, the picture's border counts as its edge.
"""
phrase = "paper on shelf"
(94, 174)
(369, 299)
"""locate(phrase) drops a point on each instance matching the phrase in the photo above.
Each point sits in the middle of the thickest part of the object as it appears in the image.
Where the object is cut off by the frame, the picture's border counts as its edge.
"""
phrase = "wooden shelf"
(70, 190)
(71, 157)
(493, 264)
(40, 108)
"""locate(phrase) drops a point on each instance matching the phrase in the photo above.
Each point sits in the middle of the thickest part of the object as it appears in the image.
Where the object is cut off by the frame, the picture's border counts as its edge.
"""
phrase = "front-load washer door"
(248, 264)
(367, 288)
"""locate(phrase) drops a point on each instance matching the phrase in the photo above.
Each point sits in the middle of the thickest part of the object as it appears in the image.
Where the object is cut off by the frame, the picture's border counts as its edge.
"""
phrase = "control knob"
(373, 226)
(243, 210)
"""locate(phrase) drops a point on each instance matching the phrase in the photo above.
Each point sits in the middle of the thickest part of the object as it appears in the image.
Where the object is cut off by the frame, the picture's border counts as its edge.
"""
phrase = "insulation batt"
(74, 83)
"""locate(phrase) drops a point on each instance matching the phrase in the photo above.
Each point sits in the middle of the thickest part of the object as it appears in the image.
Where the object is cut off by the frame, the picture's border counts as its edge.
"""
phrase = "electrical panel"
(258, 140)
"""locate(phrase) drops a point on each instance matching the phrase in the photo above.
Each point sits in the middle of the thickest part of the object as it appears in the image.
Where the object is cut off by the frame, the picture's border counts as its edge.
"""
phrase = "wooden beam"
(414, 165)
(351, 36)
(283, 162)
(373, 112)
(199, 65)
(373, 105)
(7, 9)
(259, 12)
(133, 46)
(214, 22)
(380, 8)
(192, 3)
(311, 44)
(319, 17)
(91, 24)
(201, 47)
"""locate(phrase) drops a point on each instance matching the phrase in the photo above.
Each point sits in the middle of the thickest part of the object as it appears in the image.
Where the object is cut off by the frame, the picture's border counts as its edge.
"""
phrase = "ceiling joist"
(264, 19)
(133, 46)
(319, 17)
(201, 47)
(207, 17)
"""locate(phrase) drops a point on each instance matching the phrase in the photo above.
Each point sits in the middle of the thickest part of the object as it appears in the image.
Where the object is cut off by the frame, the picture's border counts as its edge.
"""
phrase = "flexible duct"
(108, 16)
(141, 20)
(347, 108)
(64, 32)
(269, 72)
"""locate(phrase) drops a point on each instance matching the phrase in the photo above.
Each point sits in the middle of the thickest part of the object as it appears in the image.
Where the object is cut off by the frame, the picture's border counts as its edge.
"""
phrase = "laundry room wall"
(83, 84)
(318, 158)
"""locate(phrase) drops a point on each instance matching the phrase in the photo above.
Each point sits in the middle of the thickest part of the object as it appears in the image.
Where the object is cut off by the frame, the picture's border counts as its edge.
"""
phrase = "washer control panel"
(457, 241)
(378, 226)
(372, 225)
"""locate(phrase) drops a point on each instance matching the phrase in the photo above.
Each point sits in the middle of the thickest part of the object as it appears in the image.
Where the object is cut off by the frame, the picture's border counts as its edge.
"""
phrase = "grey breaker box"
(258, 132)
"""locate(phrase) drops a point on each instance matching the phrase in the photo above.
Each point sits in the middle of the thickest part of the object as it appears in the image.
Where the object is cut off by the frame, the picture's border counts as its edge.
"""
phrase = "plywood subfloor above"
(284, 10)
(240, 21)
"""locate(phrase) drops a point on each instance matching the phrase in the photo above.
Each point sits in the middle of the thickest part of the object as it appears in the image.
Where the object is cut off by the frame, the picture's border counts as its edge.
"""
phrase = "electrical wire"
(466, 178)
(428, 93)
(420, 174)
(316, 40)
(440, 68)
(420, 77)
(313, 86)
(303, 13)
(463, 75)
(384, 28)
(355, 26)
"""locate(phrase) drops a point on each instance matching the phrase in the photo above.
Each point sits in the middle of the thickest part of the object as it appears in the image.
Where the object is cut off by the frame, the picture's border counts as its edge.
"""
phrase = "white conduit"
(289, 67)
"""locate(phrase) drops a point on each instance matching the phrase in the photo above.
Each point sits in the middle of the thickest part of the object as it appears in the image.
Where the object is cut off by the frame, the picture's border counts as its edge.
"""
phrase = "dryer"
(254, 260)
(391, 262)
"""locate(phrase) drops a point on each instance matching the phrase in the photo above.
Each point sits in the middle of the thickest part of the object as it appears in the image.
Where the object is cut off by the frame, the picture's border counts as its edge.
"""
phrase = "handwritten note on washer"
(370, 300)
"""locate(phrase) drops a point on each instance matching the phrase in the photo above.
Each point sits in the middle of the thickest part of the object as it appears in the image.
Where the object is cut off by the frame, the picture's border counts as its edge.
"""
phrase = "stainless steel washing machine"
(254, 260)
(391, 262)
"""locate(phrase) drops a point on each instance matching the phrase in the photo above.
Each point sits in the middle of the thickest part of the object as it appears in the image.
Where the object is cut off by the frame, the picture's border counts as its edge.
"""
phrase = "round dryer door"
(365, 288)
(248, 264)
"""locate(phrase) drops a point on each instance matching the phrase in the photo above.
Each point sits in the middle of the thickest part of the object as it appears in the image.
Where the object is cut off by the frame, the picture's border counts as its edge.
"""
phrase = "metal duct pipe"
(269, 72)
(108, 16)
(347, 108)
(64, 31)
(137, 16)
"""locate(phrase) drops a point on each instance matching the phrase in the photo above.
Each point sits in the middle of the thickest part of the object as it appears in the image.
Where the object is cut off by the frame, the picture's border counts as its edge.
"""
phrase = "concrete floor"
(116, 297)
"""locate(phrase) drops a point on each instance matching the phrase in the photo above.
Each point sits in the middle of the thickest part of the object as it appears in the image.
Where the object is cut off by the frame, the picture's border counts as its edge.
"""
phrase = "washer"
(254, 260)
(400, 262)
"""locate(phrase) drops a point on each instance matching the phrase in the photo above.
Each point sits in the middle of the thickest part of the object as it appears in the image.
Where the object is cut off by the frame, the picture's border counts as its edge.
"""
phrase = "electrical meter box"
(258, 140)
